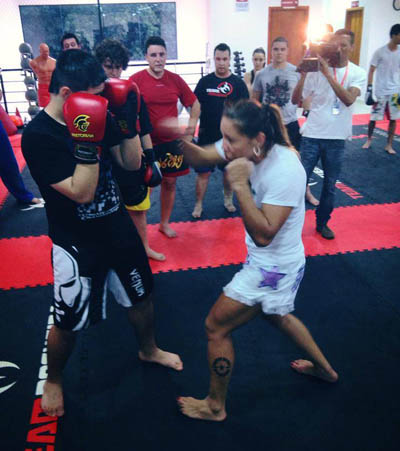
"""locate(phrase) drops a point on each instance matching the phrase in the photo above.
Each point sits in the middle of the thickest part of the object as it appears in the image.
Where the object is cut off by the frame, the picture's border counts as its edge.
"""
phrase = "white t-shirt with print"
(279, 179)
(387, 74)
(321, 123)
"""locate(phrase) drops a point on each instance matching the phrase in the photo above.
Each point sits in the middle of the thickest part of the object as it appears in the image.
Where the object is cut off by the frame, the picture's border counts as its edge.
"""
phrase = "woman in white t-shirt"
(269, 182)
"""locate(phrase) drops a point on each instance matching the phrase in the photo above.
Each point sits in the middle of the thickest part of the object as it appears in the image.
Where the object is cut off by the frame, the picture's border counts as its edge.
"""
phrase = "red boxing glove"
(85, 115)
(123, 97)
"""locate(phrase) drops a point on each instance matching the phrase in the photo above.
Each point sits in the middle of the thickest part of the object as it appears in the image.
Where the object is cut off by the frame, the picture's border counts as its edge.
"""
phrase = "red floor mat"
(26, 262)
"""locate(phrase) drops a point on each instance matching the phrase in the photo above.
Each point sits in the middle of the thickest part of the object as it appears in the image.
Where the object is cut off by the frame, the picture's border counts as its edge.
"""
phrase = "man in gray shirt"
(275, 84)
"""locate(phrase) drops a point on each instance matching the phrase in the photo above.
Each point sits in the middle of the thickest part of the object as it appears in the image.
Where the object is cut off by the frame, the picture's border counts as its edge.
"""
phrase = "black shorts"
(85, 274)
(131, 185)
(171, 159)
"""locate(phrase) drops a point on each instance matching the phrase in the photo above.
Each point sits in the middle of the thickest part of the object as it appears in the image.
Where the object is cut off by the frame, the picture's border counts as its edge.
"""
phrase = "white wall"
(215, 21)
(245, 31)
(379, 16)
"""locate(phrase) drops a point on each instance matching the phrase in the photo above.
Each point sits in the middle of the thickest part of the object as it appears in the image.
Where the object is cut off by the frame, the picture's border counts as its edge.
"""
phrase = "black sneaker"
(326, 232)
(25, 206)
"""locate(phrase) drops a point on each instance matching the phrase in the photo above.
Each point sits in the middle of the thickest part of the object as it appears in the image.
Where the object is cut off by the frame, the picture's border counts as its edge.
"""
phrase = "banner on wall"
(242, 5)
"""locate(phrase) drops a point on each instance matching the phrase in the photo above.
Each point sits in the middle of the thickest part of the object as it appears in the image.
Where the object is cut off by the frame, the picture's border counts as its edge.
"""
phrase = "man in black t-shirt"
(212, 91)
(69, 148)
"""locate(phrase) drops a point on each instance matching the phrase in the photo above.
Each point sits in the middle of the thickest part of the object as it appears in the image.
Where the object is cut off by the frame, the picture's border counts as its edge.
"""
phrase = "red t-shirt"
(161, 96)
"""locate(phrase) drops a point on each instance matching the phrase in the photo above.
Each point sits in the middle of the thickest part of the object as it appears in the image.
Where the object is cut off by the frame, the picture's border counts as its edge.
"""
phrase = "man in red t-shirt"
(161, 90)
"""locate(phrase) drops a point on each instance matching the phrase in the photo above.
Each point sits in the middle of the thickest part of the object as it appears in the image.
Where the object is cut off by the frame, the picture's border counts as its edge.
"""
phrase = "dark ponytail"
(251, 119)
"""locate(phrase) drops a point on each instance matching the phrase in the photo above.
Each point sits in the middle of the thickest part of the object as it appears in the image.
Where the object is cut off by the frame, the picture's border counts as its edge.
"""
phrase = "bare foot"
(389, 149)
(307, 367)
(198, 210)
(163, 358)
(310, 198)
(155, 255)
(166, 230)
(200, 409)
(52, 399)
(367, 144)
(228, 204)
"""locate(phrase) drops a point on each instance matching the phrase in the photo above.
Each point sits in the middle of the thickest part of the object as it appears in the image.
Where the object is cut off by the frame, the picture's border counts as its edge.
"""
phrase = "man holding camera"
(334, 88)
(386, 62)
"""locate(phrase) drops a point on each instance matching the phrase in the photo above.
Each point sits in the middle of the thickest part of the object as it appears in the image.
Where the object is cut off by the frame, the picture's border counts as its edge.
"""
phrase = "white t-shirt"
(321, 122)
(387, 75)
(279, 179)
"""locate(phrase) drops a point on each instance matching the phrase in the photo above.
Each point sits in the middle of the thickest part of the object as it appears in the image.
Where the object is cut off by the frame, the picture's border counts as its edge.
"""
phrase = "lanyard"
(344, 76)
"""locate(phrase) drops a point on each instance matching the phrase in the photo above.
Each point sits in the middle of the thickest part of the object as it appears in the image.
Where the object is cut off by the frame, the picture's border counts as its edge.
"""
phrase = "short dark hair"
(69, 36)
(280, 39)
(344, 32)
(222, 47)
(114, 51)
(395, 29)
(154, 40)
(78, 70)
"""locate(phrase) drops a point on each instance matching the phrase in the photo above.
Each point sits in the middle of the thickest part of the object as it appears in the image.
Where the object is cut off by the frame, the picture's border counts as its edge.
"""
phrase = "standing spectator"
(258, 59)
(329, 123)
(10, 175)
(212, 91)
(161, 90)
(114, 58)
(275, 84)
(386, 62)
(69, 42)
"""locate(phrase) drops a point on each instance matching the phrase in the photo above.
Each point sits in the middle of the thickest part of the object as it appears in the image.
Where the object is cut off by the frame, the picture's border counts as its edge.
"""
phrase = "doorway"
(354, 22)
(292, 25)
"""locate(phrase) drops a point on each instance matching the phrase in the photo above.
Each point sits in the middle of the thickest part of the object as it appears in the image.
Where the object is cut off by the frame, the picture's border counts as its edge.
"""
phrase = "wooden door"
(354, 22)
(292, 25)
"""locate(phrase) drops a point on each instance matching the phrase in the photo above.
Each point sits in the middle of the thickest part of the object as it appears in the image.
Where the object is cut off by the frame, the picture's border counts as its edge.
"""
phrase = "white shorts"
(386, 104)
(272, 287)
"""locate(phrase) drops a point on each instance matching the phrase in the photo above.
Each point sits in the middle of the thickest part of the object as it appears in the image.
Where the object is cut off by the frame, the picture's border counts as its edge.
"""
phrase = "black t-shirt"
(212, 92)
(47, 148)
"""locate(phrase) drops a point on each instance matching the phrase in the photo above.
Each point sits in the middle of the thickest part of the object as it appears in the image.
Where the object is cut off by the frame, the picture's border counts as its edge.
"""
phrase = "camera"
(326, 50)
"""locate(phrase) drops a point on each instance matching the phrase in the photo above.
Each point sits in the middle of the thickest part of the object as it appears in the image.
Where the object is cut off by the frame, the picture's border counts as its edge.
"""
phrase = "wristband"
(149, 155)
(86, 153)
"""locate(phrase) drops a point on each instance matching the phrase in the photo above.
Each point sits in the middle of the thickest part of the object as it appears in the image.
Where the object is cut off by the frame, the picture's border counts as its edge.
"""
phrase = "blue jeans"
(331, 152)
(9, 171)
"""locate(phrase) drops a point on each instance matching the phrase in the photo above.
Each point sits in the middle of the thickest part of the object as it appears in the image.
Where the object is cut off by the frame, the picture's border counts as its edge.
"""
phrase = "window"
(130, 23)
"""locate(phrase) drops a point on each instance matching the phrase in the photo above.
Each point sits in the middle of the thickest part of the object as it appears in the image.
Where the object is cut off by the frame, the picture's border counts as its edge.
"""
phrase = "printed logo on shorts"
(136, 282)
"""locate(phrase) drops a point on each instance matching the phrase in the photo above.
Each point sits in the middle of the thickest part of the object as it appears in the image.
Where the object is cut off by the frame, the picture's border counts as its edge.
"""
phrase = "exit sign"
(289, 3)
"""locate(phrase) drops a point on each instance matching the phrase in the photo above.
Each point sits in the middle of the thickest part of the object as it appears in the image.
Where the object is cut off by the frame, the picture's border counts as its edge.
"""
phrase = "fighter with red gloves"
(69, 148)
(134, 185)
